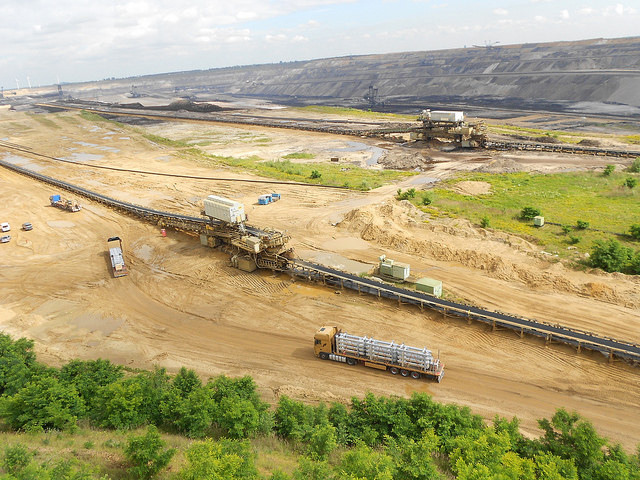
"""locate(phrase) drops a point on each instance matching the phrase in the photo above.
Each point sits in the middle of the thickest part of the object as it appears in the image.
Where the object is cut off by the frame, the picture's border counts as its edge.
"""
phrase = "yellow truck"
(331, 343)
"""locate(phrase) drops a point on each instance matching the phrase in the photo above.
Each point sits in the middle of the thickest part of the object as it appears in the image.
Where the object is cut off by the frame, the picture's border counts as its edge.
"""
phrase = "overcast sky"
(45, 41)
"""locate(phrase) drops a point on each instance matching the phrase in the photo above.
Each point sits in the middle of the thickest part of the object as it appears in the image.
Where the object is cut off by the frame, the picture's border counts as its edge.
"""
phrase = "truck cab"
(323, 341)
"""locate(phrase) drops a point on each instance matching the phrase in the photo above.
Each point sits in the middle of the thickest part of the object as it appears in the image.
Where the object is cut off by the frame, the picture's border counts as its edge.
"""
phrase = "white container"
(445, 116)
(224, 209)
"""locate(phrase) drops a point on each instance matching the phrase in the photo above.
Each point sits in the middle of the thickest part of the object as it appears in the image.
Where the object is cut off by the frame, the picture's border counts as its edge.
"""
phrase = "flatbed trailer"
(330, 343)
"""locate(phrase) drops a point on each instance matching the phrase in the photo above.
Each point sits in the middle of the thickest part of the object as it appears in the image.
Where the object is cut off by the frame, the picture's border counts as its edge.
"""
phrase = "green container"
(430, 286)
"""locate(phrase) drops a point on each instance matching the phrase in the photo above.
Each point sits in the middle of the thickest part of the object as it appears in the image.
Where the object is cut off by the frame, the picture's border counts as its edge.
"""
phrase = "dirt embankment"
(405, 229)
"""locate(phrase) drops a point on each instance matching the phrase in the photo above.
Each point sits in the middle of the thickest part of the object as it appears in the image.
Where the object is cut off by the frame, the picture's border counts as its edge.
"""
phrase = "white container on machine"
(224, 209)
(445, 116)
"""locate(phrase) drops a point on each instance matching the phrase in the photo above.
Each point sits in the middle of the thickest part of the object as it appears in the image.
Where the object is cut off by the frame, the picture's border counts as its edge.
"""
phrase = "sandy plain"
(183, 304)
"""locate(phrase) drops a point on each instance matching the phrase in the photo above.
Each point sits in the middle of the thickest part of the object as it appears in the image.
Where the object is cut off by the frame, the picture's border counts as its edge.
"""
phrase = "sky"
(43, 42)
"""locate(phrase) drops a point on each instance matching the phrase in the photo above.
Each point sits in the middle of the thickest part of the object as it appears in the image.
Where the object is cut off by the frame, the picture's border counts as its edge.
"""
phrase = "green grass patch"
(299, 155)
(166, 141)
(633, 139)
(329, 174)
(354, 112)
(44, 121)
(562, 198)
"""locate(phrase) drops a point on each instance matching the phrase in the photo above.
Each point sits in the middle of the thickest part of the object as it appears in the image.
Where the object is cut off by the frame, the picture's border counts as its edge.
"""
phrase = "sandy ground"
(183, 304)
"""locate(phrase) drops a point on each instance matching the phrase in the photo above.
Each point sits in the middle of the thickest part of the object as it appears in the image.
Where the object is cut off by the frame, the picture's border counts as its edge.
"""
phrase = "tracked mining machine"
(451, 126)
(330, 343)
(249, 246)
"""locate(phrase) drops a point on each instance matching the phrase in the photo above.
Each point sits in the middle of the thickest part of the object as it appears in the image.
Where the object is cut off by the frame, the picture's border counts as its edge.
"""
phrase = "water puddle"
(84, 157)
(22, 162)
(376, 152)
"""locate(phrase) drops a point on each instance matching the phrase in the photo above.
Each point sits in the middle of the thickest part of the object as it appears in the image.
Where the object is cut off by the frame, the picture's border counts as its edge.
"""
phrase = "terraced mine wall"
(592, 76)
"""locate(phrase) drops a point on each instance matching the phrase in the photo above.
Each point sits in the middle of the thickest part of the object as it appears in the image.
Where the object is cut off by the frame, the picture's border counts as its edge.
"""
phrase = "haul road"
(270, 253)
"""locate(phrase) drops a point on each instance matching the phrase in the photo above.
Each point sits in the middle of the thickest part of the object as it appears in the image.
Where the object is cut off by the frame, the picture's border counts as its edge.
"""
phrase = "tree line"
(374, 437)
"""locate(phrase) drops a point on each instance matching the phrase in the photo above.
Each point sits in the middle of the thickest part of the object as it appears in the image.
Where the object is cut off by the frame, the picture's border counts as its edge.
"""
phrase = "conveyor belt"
(311, 271)
(578, 338)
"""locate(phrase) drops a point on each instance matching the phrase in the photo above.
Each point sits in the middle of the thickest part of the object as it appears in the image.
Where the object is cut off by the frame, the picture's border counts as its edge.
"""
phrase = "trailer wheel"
(351, 361)
(394, 370)
(415, 375)
(324, 355)
(404, 373)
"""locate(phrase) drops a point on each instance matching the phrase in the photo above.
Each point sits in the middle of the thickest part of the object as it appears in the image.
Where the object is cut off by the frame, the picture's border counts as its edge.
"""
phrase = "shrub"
(224, 459)
(15, 459)
(635, 166)
(582, 225)
(485, 222)
(147, 455)
(630, 182)
(634, 231)
(528, 213)
(610, 256)
(608, 170)
(315, 174)
(566, 229)
(411, 193)
(573, 239)
(426, 200)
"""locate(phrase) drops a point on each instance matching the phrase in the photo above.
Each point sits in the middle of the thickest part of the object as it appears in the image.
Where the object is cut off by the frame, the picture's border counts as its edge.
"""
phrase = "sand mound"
(472, 188)
(400, 227)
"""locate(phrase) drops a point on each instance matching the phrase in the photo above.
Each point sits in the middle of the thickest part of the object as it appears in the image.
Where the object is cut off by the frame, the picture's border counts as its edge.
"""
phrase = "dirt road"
(183, 304)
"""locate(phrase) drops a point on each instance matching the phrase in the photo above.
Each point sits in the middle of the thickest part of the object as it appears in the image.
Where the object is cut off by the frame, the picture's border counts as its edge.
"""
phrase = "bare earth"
(183, 304)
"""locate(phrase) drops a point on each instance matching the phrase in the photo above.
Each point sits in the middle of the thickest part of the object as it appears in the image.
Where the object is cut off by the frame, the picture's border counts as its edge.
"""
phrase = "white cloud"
(564, 14)
(500, 11)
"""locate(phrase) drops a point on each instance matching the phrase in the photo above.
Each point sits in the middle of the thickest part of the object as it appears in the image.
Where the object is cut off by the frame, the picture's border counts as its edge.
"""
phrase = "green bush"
(610, 256)
(426, 200)
(528, 213)
(630, 182)
(315, 174)
(566, 229)
(582, 225)
(634, 231)
(221, 460)
(146, 454)
(411, 193)
(573, 239)
(608, 170)
(635, 166)
(485, 222)
(15, 459)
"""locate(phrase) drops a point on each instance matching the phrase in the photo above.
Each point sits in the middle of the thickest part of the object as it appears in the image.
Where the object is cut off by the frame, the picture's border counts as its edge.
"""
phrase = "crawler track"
(313, 272)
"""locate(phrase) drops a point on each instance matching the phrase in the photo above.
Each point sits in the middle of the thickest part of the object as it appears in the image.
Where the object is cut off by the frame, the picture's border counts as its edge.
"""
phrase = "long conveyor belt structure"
(314, 272)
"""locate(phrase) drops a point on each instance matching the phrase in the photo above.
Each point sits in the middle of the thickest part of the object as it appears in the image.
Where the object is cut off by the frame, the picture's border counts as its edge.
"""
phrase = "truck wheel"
(324, 355)
(415, 375)
(394, 370)
(404, 373)
(351, 361)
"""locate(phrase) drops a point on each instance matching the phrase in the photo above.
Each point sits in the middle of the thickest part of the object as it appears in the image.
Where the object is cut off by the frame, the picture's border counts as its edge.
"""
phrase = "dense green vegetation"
(580, 208)
(238, 436)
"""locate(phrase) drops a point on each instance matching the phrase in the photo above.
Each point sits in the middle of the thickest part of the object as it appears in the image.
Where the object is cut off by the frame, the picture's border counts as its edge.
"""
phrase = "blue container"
(275, 196)
(55, 198)
(264, 199)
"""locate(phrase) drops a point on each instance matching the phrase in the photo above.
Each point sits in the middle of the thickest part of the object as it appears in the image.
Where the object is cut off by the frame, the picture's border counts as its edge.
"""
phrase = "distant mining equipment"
(452, 127)
(372, 97)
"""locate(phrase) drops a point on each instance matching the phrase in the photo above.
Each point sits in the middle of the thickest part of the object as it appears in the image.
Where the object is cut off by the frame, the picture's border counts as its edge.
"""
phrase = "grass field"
(609, 207)
(101, 451)
(314, 173)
